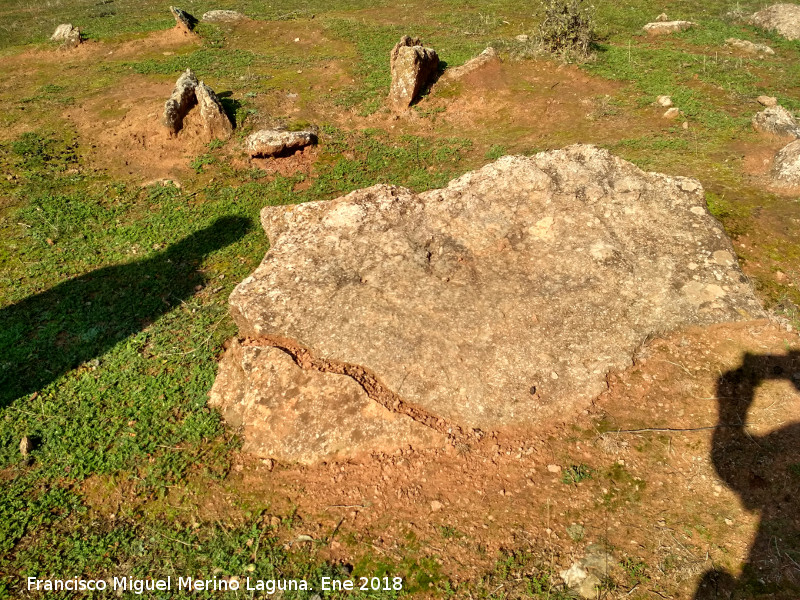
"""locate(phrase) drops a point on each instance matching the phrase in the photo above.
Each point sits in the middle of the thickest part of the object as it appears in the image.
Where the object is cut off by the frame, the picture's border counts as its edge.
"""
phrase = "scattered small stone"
(664, 101)
(586, 574)
(222, 16)
(786, 167)
(272, 142)
(183, 20)
(182, 99)
(522, 38)
(436, 505)
(554, 468)
(782, 18)
(576, 532)
(686, 124)
(216, 123)
(25, 446)
(767, 101)
(672, 113)
(778, 121)
(749, 47)
(269, 464)
(667, 27)
(412, 66)
(662, 18)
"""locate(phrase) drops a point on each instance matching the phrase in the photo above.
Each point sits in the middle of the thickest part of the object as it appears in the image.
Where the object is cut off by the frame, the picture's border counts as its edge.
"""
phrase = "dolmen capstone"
(387, 318)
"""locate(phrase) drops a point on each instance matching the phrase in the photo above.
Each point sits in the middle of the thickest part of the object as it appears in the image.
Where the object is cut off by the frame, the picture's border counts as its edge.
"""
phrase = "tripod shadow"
(765, 472)
(45, 335)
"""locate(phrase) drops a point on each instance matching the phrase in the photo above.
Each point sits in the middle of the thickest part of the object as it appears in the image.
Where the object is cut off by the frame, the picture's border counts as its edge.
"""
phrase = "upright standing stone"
(183, 20)
(216, 123)
(182, 99)
(413, 66)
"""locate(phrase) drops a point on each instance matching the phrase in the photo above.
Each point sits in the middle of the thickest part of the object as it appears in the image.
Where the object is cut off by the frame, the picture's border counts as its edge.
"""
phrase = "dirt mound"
(501, 300)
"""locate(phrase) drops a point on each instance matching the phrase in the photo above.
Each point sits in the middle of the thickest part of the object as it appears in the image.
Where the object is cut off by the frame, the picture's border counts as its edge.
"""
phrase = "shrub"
(568, 27)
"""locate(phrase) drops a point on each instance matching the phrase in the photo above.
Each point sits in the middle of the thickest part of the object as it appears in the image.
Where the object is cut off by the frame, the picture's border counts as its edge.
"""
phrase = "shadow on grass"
(764, 471)
(44, 336)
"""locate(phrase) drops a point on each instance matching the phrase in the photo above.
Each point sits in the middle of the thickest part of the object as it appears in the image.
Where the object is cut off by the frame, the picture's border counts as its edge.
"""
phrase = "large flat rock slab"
(502, 300)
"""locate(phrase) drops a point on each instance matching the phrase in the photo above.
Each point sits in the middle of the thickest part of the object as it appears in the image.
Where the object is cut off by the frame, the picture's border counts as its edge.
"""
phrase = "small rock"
(183, 20)
(222, 16)
(436, 505)
(554, 468)
(576, 532)
(269, 464)
(216, 123)
(782, 18)
(667, 27)
(749, 47)
(664, 101)
(767, 101)
(69, 36)
(182, 99)
(778, 121)
(780, 276)
(484, 58)
(672, 113)
(25, 446)
(662, 18)
(686, 124)
(412, 67)
(271, 142)
(786, 167)
(522, 38)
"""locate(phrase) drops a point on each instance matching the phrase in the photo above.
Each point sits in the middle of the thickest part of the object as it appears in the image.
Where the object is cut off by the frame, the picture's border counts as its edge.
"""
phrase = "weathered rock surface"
(183, 19)
(413, 66)
(486, 57)
(585, 575)
(786, 167)
(782, 18)
(749, 47)
(216, 123)
(667, 27)
(664, 101)
(222, 16)
(672, 113)
(501, 300)
(69, 36)
(301, 415)
(778, 121)
(182, 99)
(767, 100)
(273, 142)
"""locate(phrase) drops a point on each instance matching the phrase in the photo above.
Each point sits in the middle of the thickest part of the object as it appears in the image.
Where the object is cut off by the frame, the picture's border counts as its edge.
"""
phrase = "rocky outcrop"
(485, 58)
(182, 99)
(183, 20)
(778, 121)
(413, 66)
(667, 27)
(216, 123)
(273, 142)
(300, 415)
(749, 47)
(502, 300)
(222, 16)
(782, 18)
(786, 167)
(69, 36)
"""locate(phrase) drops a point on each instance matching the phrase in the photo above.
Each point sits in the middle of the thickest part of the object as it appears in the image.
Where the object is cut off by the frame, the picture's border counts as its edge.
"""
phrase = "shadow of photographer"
(47, 334)
(764, 471)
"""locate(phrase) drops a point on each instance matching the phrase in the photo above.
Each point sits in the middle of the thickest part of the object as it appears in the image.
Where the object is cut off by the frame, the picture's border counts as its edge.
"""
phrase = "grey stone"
(749, 47)
(182, 99)
(501, 300)
(298, 415)
(222, 16)
(183, 19)
(777, 121)
(216, 123)
(667, 27)
(486, 57)
(413, 66)
(586, 574)
(69, 36)
(786, 166)
(273, 142)
(782, 18)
